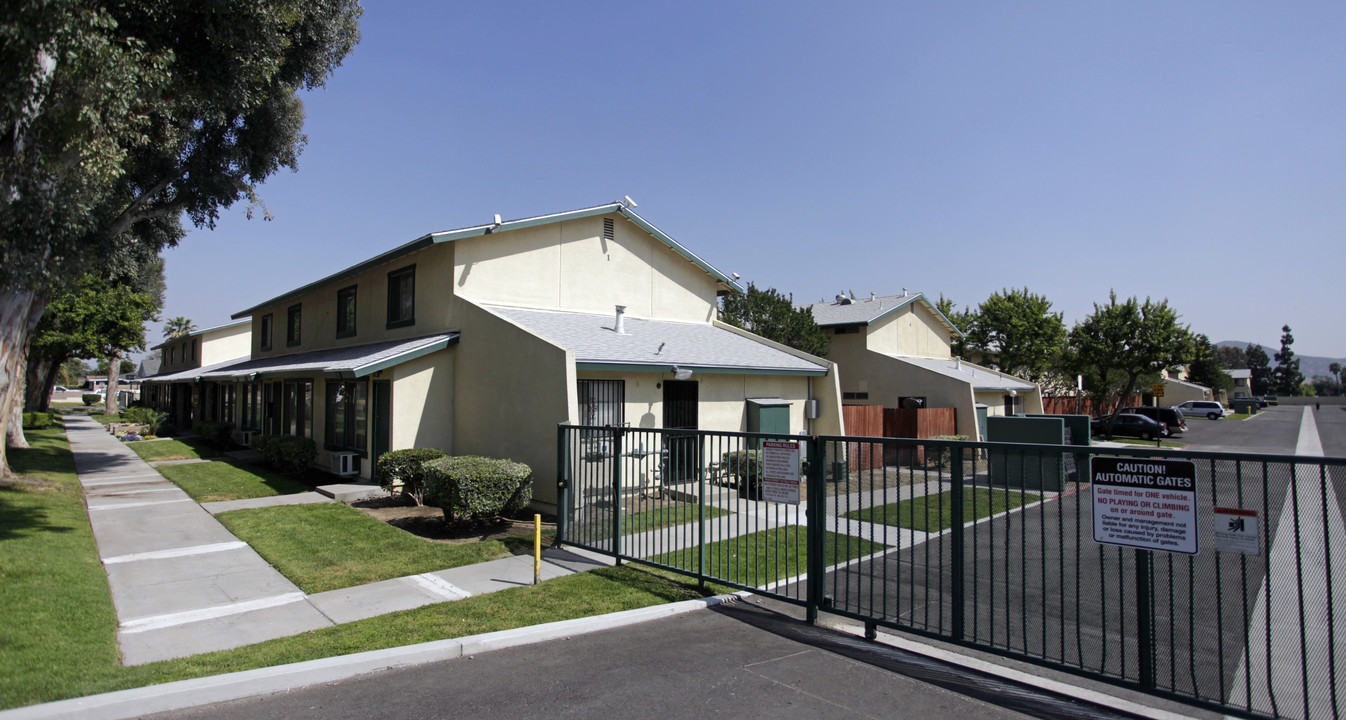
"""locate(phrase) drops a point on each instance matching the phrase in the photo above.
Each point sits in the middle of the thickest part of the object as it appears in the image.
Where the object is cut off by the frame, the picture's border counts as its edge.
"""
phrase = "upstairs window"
(265, 334)
(345, 315)
(402, 297)
(292, 318)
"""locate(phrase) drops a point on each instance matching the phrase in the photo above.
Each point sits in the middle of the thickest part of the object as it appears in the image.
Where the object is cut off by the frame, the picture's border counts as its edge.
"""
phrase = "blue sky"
(1194, 151)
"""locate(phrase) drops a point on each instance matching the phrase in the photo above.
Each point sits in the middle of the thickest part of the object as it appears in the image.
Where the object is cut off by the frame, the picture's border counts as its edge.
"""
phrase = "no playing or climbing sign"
(1145, 503)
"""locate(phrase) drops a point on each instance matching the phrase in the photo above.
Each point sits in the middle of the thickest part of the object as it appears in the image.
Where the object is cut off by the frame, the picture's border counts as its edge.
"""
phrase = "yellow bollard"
(537, 547)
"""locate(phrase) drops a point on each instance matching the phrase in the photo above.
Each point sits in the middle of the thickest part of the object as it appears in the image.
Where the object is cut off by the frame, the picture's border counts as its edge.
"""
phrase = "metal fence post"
(815, 523)
(562, 483)
(617, 437)
(1144, 617)
(701, 525)
(957, 577)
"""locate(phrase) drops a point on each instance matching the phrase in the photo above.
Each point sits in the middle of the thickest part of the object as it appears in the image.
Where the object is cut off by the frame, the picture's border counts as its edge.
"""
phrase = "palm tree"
(1335, 369)
(178, 327)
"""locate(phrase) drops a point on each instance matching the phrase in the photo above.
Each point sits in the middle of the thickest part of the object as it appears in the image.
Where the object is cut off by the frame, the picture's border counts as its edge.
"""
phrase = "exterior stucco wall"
(912, 330)
(423, 402)
(995, 401)
(1175, 394)
(570, 266)
(318, 319)
(890, 378)
(226, 344)
(511, 389)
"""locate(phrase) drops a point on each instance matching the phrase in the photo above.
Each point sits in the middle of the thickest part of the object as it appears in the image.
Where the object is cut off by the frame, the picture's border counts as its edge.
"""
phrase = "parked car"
(1171, 417)
(1130, 424)
(59, 388)
(1209, 408)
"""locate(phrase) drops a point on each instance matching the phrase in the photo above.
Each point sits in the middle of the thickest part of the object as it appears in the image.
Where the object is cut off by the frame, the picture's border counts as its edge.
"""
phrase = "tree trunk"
(41, 378)
(19, 312)
(114, 369)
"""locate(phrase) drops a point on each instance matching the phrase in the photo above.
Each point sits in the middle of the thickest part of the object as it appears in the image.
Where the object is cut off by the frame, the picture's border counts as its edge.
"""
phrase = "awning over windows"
(356, 361)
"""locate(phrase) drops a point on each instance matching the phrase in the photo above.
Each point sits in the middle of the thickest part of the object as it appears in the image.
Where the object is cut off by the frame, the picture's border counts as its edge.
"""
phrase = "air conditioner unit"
(245, 437)
(345, 464)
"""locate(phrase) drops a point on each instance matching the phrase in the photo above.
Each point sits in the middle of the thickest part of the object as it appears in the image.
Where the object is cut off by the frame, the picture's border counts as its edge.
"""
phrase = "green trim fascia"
(384, 364)
(668, 368)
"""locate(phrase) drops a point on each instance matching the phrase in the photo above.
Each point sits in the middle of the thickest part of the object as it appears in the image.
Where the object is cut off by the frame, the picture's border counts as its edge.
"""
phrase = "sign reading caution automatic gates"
(1145, 503)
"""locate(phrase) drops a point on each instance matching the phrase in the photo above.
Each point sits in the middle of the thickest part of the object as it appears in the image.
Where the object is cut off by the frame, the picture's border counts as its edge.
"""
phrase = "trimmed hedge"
(403, 471)
(37, 420)
(218, 434)
(285, 453)
(746, 467)
(90, 398)
(477, 488)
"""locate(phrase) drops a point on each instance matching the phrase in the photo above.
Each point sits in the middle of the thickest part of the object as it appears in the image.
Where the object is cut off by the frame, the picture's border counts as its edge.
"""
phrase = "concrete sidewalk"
(182, 584)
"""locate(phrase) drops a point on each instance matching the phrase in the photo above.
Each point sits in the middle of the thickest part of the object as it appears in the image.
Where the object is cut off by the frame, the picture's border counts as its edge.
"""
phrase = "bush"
(90, 398)
(746, 468)
(285, 453)
(152, 419)
(37, 421)
(477, 488)
(403, 471)
(218, 434)
(938, 456)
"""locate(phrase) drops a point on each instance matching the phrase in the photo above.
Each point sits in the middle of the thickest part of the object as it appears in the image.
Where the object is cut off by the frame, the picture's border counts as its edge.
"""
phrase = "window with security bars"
(602, 402)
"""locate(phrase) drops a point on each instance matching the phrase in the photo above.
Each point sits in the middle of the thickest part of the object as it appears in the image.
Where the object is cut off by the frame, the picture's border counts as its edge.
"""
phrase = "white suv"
(1209, 408)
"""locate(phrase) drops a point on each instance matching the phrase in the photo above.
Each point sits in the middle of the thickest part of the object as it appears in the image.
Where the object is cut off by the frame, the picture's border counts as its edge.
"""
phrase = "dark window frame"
(352, 412)
(265, 332)
(401, 282)
(346, 320)
(294, 325)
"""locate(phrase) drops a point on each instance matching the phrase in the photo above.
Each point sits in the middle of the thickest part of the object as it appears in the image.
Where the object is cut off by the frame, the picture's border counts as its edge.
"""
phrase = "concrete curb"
(126, 704)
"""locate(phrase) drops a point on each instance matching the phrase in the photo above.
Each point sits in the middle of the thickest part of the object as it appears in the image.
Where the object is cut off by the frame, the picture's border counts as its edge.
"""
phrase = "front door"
(382, 421)
(680, 405)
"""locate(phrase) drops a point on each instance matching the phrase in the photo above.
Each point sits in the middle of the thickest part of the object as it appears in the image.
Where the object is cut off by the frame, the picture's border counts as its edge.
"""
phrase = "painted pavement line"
(105, 483)
(441, 587)
(1300, 612)
(176, 552)
(123, 506)
(158, 622)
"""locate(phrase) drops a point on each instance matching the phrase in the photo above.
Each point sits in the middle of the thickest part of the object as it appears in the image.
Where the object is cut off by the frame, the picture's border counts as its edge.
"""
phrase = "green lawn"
(160, 450)
(763, 557)
(663, 517)
(58, 627)
(933, 513)
(1144, 443)
(330, 546)
(222, 480)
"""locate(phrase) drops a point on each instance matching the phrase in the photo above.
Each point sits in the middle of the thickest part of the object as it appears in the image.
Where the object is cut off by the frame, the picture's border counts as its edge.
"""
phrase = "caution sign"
(1236, 531)
(780, 472)
(1145, 504)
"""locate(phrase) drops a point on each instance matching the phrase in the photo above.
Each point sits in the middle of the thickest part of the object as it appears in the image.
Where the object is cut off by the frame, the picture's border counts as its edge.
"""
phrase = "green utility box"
(1031, 469)
(1247, 406)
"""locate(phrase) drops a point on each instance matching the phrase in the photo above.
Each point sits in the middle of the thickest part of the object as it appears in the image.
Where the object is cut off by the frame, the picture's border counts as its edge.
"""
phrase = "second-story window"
(402, 297)
(265, 333)
(292, 317)
(345, 321)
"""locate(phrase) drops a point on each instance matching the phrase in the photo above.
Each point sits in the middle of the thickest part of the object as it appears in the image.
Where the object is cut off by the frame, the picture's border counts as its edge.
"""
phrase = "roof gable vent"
(609, 229)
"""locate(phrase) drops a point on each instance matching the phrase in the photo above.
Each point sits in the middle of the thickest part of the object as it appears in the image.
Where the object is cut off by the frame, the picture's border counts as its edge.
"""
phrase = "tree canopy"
(774, 317)
(1259, 367)
(1204, 367)
(1020, 333)
(1121, 342)
(179, 326)
(1286, 377)
(118, 119)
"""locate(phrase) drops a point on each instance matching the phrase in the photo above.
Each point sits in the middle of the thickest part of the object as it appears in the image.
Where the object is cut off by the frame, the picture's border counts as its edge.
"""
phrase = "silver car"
(1209, 408)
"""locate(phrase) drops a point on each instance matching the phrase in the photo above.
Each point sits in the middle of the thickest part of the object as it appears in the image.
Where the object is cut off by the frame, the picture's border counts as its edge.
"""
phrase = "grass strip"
(58, 627)
(933, 513)
(214, 481)
(763, 557)
(330, 546)
(658, 518)
(161, 450)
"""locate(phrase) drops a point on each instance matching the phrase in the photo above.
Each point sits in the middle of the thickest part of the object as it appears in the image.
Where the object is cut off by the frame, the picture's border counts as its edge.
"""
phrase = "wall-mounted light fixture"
(681, 373)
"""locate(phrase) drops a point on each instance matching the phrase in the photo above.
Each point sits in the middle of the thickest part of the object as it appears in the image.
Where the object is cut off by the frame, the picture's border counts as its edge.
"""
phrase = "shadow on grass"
(18, 521)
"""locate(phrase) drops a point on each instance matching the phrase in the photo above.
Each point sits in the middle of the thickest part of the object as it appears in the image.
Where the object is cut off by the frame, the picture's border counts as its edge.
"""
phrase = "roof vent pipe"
(904, 292)
(871, 296)
(620, 326)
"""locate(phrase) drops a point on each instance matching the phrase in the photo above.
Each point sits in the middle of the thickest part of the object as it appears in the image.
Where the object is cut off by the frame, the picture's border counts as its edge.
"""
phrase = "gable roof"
(980, 378)
(431, 239)
(867, 311)
(656, 345)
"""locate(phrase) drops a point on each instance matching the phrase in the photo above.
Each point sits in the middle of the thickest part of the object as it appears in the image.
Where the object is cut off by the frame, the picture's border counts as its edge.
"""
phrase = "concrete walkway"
(182, 584)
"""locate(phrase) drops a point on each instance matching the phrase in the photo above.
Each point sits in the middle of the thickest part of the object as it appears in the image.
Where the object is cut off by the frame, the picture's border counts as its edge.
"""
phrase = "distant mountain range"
(1309, 365)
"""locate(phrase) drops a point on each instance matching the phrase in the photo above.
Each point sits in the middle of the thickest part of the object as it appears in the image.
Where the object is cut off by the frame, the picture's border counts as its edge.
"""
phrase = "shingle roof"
(194, 373)
(864, 311)
(1240, 374)
(354, 361)
(657, 343)
(978, 377)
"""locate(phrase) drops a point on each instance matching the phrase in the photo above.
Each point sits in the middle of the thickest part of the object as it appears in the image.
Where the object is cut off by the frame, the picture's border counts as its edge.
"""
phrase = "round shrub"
(470, 487)
(746, 468)
(37, 421)
(402, 471)
(90, 398)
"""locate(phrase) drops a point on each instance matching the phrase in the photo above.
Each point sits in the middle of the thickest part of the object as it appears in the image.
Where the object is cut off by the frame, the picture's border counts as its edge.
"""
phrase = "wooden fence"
(877, 421)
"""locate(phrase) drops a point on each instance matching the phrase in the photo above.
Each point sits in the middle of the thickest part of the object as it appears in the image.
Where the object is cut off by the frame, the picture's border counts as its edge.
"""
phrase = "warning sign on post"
(780, 472)
(1144, 503)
